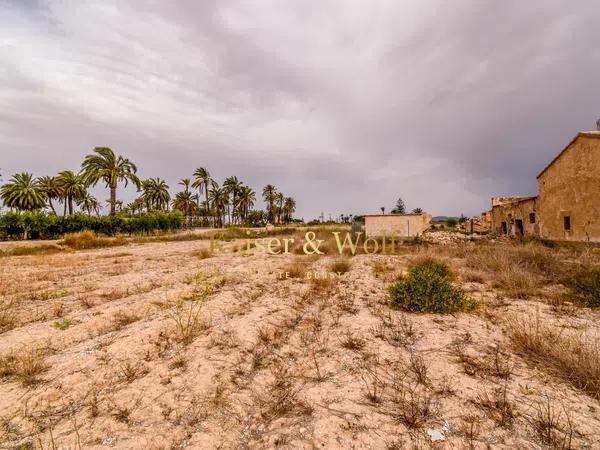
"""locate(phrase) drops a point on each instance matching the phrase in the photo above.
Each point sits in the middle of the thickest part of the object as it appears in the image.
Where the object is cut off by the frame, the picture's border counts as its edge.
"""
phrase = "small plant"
(548, 425)
(64, 324)
(203, 253)
(352, 342)
(121, 319)
(585, 286)
(498, 405)
(188, 321)
(340, 266)
(413, 406)
(429, 287)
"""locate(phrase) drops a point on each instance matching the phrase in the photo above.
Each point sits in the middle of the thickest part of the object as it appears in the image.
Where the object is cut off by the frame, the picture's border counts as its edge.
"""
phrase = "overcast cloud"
(344, 105)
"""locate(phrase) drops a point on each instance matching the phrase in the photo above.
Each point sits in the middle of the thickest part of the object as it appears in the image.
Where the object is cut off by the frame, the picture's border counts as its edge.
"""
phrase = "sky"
(344, 105)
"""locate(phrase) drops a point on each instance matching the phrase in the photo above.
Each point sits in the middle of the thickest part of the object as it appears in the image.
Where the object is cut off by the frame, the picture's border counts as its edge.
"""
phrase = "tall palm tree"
(218, 199)
(22, 192)
(289, 207)
(71, 187)
(49, 186)
(182, 199)
(89, 203)
(104, 165)
(201, 181)
(245, 201)
(269, 194)
(279, 198)
(232, 185)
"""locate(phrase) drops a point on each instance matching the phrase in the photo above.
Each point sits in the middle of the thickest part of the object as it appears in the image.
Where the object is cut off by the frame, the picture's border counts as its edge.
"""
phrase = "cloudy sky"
(344, 105)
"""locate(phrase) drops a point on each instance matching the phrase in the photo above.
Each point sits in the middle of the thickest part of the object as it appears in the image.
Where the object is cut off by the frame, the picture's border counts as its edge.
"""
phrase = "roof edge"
(590, 134)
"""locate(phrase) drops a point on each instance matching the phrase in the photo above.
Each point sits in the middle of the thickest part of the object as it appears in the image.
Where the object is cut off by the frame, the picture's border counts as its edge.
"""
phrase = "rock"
(436, 435)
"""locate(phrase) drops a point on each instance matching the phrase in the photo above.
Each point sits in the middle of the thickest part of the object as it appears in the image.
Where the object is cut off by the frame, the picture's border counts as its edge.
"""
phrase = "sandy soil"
(149, 346)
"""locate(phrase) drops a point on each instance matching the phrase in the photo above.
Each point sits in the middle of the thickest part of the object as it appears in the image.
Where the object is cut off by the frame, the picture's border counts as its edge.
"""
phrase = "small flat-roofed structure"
(401, 225)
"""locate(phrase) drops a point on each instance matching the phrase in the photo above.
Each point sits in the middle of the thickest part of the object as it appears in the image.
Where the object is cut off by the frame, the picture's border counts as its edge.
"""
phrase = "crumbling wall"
(403, 225)
(524, 210)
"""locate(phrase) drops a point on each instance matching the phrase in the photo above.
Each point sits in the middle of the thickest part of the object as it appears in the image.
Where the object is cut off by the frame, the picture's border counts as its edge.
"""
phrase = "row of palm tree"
(232, 202)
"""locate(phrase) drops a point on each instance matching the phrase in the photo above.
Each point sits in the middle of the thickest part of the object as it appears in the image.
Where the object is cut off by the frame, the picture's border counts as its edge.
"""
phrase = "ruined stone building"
(401, 225)
(567, 206)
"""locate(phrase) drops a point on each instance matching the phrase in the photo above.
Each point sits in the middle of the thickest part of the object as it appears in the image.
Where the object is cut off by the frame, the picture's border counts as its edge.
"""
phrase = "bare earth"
(148, 346)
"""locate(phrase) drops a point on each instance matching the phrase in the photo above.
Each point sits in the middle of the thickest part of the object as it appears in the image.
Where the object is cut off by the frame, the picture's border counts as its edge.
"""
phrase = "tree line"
(201, 199)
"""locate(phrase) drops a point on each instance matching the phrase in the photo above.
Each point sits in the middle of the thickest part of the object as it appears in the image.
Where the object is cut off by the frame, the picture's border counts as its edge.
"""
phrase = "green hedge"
(38, 225)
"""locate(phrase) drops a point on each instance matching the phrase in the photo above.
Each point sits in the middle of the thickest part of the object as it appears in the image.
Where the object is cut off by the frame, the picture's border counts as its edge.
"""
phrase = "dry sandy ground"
(148, 346)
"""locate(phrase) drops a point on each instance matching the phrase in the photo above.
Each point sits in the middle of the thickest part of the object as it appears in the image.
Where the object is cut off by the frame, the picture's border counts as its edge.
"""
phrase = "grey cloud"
(344, 105)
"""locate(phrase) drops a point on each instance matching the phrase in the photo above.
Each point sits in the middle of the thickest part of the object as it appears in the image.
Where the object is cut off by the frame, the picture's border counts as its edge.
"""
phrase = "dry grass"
(121, 319)
(203, 253)
(297, 268)
(8, 314)
(24, 366)
(340, 265)
(189, 323)
(574, 357)
(88, 239)
(44, 249)
(518, 270)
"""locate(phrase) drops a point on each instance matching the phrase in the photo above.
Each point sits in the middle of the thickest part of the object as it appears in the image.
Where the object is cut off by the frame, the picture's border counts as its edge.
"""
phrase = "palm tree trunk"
(70, 205)
(113, 200)
(65, 210)
(51, 206)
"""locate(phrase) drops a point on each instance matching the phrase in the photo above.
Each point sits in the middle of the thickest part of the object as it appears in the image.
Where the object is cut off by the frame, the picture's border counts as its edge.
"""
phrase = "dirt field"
(164, 346)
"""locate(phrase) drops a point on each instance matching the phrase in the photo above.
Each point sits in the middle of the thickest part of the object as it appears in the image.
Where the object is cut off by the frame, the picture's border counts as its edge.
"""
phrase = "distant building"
(478, 224)
(402, 225)
(567, 207)
(515, 216)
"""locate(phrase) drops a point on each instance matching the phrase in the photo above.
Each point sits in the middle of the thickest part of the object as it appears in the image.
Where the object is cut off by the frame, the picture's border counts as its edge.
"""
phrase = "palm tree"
(72, 188)
(269, 193)
(49, 186)
(155, 194)
(280, 199)
(232, 185)
(417, 211)
(218, 199)
(23, 192)
(289, 207)
(182, 199)
(201, 181)
(245, 201)
(89, 203)
(105, 166)
(185, 202)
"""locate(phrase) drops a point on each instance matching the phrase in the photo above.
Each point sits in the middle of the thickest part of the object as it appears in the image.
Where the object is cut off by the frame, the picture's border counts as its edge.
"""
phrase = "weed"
(584, 285)
(549, 427)
(25, 366)
(64, 324)
(413, 406)
(203, 253)
(498, 405)
(121, 319)
(340, 265)
(188, 321)
(353, 342)
(428, 288)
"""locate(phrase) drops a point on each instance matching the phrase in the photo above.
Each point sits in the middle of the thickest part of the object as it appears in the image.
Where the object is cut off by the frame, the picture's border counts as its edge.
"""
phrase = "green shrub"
(39, 225)
(585, 286)
(428, 287)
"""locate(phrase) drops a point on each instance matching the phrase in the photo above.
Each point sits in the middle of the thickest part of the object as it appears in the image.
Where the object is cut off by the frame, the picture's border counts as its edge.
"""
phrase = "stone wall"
(403, 225)
(569, 192)
(519, 218)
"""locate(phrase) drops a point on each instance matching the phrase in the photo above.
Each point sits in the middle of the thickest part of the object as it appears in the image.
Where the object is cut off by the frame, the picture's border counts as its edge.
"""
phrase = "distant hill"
(443, 218)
